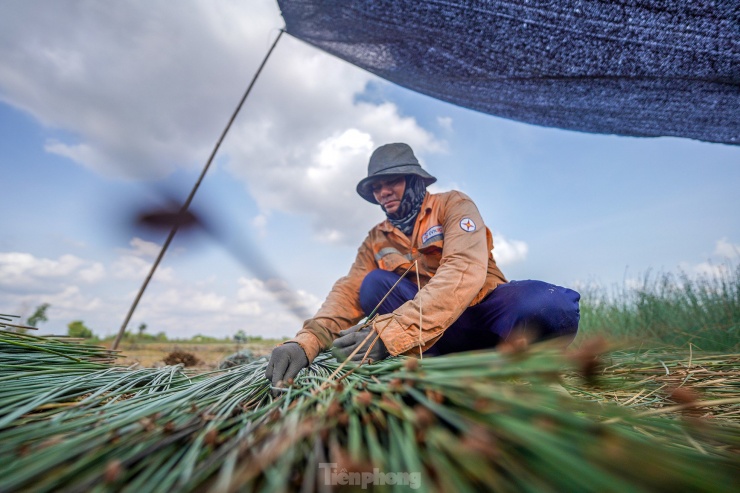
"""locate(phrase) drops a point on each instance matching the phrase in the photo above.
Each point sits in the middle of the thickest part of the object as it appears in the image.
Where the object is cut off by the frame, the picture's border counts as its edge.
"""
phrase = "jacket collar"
(426, 206)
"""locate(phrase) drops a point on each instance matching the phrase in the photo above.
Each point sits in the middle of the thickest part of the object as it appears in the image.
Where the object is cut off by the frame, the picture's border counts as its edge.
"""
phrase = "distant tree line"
(78, 329)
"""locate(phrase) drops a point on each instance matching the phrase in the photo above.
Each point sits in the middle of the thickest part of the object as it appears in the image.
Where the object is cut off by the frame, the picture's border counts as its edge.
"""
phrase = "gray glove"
(349, 339)
(285, 363)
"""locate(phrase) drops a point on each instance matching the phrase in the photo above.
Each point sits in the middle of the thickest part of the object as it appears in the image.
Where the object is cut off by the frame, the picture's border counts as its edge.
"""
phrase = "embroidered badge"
(433, 233)
(467, 224)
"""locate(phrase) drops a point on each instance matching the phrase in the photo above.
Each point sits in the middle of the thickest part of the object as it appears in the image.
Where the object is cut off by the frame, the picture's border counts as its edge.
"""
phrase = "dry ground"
(152, 354)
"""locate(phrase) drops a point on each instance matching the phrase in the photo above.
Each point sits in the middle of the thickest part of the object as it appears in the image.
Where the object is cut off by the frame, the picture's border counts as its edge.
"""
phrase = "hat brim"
(364, 188)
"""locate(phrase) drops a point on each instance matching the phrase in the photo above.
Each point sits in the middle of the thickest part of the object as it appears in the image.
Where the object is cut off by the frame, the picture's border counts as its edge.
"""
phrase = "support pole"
(187, 202)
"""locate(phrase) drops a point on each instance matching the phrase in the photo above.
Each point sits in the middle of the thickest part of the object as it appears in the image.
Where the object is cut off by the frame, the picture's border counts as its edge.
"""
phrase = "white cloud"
(136, 262)
(143, 87)
(142, 248)
(260, 223)
(255, 291)
(139, 89)
(445, 122)
(20, 270)
(71, 299)
(507, 252)
(67, 284)
(147, 87)
(438, 187)
(199, 302)
(707, 269)
(316, 174)
(179, 309)
(718, 265)
(184, 311)
(93, 273)
(726, 250)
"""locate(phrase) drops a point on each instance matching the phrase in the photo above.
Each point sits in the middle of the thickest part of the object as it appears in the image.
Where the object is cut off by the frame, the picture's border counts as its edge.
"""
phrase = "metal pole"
(187, 202)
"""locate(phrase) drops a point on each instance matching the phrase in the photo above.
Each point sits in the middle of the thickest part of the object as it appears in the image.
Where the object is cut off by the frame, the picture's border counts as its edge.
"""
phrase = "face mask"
(413, 196)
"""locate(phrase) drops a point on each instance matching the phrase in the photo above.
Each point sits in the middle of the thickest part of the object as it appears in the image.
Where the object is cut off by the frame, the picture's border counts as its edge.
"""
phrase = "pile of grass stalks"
(465, 422)
(20, 351)
(668, 382)
(668, 309)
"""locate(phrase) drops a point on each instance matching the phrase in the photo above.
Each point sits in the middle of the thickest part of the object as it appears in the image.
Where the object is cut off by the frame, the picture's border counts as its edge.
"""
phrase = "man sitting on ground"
(450, 294)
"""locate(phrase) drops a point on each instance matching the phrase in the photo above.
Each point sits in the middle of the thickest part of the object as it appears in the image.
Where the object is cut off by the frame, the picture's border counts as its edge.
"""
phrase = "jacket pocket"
(430, 259)
(391, 259)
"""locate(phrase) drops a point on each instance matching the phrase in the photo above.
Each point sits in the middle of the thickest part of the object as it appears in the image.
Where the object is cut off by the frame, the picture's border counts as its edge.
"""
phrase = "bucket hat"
(391, 160)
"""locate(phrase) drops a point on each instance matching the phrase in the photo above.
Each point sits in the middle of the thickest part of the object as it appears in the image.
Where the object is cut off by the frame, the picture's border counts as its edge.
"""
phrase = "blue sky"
(102, 107)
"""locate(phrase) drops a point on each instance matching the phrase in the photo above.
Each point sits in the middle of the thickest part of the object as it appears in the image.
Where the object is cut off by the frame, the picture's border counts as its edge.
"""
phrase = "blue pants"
(543, 310)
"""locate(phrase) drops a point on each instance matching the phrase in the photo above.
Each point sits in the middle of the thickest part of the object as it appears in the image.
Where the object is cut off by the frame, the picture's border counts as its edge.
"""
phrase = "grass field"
(665, 309)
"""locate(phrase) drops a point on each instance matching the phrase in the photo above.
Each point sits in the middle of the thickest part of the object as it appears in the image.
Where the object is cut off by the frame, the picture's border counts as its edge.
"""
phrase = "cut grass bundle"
(669, 380)
(457, 423)
(24, 351)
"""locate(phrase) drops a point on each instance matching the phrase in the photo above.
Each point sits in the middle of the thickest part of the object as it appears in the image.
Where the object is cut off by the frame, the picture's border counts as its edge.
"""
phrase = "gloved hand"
(285, 363)
(350, 338)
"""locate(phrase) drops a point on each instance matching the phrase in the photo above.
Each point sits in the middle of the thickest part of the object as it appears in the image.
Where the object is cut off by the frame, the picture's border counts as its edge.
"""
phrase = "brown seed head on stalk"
(481, 405)
(391, 405)
(545, 423)
(587, 358)
(435, 396)
(344, 461)
(478, 440)
(114, 437)
(688, 397)
(484, 405)
(112, 471)
(364, 398)
(423, 417)
(608, 444)
(334, 409)
(614, 448)
(53, 440)
(517, 343)
(296, 479)
(396, 385)
(683, 395)
(411, 364)
(23, 450)
(147, 423)
(211, 437)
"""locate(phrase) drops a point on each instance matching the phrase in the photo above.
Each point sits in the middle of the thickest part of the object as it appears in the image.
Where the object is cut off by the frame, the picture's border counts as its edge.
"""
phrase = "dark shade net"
(629, 67)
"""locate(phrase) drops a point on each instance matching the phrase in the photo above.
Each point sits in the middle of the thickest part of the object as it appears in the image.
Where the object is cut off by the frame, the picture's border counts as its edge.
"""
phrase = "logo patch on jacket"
(467, 224)
(435, 233)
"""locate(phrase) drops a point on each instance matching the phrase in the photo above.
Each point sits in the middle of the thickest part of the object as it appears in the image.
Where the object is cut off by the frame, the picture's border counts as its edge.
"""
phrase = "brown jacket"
(456, 270)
